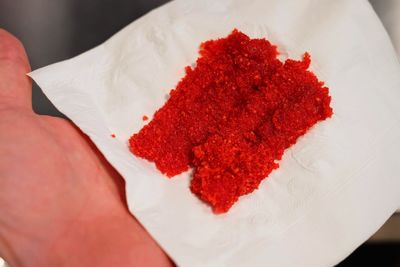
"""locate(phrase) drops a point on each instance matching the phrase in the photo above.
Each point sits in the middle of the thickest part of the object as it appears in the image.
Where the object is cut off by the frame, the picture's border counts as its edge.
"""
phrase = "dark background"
(53, 30)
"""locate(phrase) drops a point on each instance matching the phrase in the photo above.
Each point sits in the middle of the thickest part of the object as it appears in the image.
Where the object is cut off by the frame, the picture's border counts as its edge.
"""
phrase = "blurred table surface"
(56, 30)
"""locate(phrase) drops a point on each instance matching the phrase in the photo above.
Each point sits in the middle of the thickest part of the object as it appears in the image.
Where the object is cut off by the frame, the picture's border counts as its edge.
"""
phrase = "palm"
(60, 201)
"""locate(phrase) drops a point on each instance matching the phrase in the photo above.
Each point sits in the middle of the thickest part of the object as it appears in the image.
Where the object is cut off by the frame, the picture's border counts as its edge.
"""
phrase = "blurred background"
(56, 30)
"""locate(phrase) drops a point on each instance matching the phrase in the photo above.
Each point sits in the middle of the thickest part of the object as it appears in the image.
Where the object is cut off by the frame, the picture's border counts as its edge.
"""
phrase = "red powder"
(232, 117)
(145, 118)
(113, 135)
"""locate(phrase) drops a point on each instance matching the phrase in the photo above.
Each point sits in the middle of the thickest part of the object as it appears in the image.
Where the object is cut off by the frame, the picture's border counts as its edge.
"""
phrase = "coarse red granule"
(145, 118)
(113, 135)
(232, 117)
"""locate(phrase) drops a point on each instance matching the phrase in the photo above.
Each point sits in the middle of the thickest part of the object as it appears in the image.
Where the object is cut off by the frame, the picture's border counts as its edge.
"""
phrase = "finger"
(15, 85)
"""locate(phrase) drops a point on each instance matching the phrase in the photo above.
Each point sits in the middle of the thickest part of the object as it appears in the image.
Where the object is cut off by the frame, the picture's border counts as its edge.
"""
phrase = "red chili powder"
(145, 118)
(231, 118)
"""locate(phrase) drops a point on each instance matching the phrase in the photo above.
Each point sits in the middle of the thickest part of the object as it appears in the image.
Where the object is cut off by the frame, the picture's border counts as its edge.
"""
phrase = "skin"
(61, 203)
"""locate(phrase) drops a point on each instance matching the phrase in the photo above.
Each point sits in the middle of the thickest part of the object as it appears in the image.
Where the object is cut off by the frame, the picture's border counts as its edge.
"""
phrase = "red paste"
(231, 118)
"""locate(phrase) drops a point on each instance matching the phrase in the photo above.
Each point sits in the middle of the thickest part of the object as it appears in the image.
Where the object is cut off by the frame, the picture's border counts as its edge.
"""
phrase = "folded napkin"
(335, 187)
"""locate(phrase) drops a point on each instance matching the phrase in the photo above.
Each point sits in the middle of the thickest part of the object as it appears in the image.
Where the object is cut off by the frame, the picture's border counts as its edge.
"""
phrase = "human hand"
(61, 202)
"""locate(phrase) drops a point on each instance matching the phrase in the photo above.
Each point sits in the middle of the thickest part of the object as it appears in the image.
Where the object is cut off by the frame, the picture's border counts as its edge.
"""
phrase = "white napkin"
(334, 188)
(389, 12)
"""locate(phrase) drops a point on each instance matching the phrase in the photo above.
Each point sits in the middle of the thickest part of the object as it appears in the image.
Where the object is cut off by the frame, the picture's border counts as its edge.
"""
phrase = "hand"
(61, 203)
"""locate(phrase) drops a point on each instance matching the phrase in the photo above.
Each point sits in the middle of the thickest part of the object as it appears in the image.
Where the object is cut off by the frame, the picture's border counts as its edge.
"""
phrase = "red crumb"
(113, 135)
(145, 118)
(232, 117)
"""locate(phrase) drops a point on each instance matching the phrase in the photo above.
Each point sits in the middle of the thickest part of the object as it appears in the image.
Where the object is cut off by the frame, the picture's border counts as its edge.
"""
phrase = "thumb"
(15, 85)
